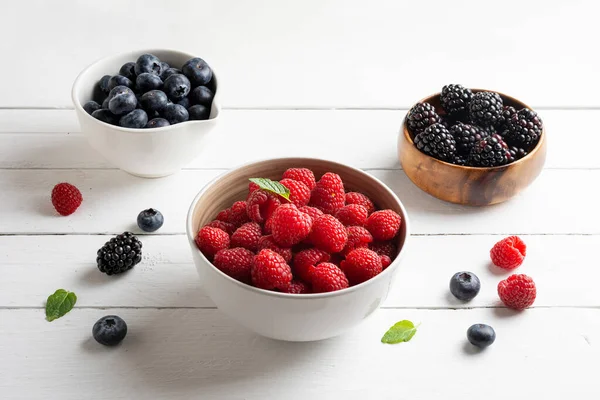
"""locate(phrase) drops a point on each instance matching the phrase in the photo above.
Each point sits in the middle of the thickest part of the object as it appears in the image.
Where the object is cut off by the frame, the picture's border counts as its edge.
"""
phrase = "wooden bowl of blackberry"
(472, 146)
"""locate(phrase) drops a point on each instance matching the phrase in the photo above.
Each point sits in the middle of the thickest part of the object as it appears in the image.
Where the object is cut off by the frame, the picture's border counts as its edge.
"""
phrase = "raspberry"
(225, 226)
(357, 237)
(267, 242)
(385, 261)
(261, 205)
(359, 198)
(210, 240)
(237, 214)
(328, 195)
(223, 215)
(327, 277)
(303, 175)
(305, 259)
(384, 248)
(235, 262)
(313, 212)
(352, 215)
(66, 198)
(517, 291)
(296, 287)
(361, 265)
(508, 253)
(252, 187)
(270, 271)
(328, 234)
(267, 230)
(290, 225)
(299, 192)
(247, 236)
(384, 225)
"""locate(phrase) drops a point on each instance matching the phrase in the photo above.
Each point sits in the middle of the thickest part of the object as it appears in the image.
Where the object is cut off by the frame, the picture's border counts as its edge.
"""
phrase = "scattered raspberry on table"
(508, 253)
(517, 291)
(66, 198)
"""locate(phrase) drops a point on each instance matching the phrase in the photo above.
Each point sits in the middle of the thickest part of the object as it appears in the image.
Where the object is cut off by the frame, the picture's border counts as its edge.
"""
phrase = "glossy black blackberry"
(437, 142)
(119, 254)
(516, 153)
(467, 136)
(489, 152)
(523, 129)
(460, 160)
(420, 117)
(485, 109)
(507, 113)
(455, 99)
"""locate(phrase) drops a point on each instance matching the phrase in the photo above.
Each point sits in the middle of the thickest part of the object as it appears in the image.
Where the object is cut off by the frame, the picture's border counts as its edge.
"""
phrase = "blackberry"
(455, 99)
(467, 136)
(437, 142)
(460, 160)
(485, 109)
(490, 152)
(119, 254)
(516, 153)
(507, 113)
(524, 129)
(420, 117)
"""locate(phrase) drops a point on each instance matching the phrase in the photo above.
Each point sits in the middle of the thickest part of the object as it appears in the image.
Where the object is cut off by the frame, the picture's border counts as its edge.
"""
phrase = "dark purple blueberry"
(197, 71)
(128, 71)
(122, 100)
(177, 87)
(157, 123)
(199, 112)
(174, 113)
(105, 103)
(135, 119)
(163, 67)
(481, 335)
(168, 72)
(91, 106)
(119, 80)
(150, 220)
(103, 83)
(202, 95)
(106, 116)
(185, 102)
(148, 63)
(146, 82)
(154, 100)
(465, 285)
(109, 330)
(212, 85)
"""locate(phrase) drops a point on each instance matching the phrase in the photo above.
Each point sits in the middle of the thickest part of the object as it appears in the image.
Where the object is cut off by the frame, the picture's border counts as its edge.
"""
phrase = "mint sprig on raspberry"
(401, 331)
(272, 186)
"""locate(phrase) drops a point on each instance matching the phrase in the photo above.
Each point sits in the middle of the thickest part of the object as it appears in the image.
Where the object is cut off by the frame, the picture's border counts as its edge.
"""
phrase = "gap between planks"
(435, 308)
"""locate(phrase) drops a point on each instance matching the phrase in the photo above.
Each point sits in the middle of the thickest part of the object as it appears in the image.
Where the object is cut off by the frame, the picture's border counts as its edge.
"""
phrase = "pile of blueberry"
(149, 93)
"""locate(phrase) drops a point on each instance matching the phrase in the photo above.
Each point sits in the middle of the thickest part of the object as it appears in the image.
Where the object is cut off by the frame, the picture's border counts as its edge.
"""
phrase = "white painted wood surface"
(341, 74)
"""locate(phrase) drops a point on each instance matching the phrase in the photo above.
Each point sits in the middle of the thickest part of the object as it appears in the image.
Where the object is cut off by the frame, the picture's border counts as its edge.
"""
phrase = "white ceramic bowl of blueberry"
(147, 112)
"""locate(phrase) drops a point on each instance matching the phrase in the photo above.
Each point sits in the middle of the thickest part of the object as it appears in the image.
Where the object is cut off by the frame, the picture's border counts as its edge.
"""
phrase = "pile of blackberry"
(473, 129)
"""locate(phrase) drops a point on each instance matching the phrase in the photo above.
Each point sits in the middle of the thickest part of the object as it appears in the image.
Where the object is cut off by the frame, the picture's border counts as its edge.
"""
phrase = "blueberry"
(154, 100)
(157, 123)
(122, 100)
(119, 80)
(146, 82)
(148, 63)
(177, 86)
(104, 83)
(197, 71)
(150, 220)
(109, 330)
(481, 335)
(128, 71)
(174, 113)
(91, 106)
(212, 85)
(168, 72)
(464, 285)
(202, 95)
(185, 102)
(199, 112)
(105, 103)
(106, 116)
(164, 66)
(135, 119)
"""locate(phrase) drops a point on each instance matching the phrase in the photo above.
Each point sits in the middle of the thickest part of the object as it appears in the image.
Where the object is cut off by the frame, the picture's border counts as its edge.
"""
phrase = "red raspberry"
(384, 248)
(247, 236)
(517, 291)
(299, 192)
(267, 242)
(384, 225)
(267, 229)
(352, 215)
(305, 259)
(261, 205)
(328, 195)
(361, 265)
(289, 225)
(235, 262)
(357, 237)
(361, 199)
(223, 215)
(327, 277)
(296, 287)
(508, 253)
(210, 240)
(225, 226)
(238, 215)
(313, 212)
(252, 187)
(66, 198)
(385, 261)
(303, 175)
(328, 234)
(269, 271)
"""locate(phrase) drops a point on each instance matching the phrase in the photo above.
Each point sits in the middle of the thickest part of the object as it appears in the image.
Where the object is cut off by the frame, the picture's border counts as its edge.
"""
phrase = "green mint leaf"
(402, 331)
(272, 186)
(59, 303)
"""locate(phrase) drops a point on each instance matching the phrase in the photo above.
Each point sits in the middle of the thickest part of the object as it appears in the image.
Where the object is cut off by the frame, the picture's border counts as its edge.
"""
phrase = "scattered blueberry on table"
(465, 285)
(150, 220)
(481, 335)
(109, 330)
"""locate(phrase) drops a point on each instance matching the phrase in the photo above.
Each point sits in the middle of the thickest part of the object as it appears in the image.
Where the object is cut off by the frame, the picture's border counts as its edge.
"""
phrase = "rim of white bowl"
(192, 235)
(77, 83)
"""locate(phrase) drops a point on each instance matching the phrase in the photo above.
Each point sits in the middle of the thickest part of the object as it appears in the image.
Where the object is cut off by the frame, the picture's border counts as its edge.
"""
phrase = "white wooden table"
(318, 78)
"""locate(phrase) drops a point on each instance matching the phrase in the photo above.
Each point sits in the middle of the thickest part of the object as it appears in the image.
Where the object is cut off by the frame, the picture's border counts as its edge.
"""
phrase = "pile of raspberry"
(322, 239)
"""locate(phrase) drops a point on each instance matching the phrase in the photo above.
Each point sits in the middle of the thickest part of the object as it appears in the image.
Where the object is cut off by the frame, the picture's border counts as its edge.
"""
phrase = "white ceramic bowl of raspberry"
(147, 153)
(282, 316)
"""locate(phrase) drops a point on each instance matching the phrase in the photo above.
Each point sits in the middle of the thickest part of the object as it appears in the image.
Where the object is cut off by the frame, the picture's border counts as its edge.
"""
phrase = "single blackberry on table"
(437, 142)
(421, 116)
(515, 153)
(485, 109)
(467, 136)
(489, 152)
(455, 99)
(523, 129)
(119, 254)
